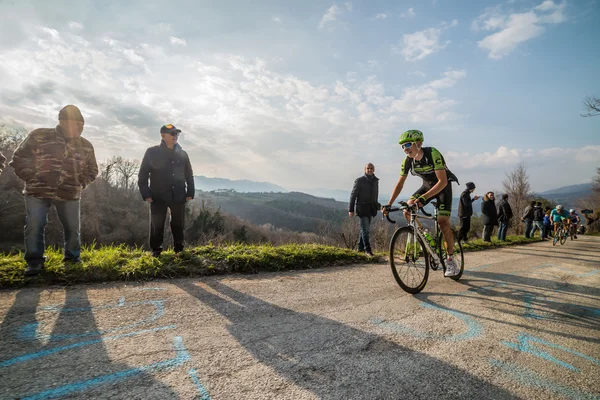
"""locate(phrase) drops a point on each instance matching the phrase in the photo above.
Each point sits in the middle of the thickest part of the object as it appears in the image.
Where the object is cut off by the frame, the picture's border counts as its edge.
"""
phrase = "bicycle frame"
(418, 228)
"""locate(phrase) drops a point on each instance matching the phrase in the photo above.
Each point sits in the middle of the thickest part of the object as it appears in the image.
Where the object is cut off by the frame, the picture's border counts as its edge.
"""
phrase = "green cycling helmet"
(412, 135)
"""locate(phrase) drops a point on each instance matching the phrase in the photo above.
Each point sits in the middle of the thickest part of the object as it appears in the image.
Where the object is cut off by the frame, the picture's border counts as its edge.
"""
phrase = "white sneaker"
(451, 268)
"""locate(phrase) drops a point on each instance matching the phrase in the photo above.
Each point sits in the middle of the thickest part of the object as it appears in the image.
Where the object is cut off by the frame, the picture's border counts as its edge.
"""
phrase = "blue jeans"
(528, 227)
(502, 230)
(36, 220)
(363, 238)
(537, 225)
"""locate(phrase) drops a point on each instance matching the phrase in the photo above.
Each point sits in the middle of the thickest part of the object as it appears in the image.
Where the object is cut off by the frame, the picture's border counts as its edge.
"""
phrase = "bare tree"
(517, 186)
(10, 138)
(347, 234)
(126, 170)
(592, 106)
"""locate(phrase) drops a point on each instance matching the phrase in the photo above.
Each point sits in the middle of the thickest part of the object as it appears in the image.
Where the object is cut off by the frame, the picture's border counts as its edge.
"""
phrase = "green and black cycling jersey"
(425, 168)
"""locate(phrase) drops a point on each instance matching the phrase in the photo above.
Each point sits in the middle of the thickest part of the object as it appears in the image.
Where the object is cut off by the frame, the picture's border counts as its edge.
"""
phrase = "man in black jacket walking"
(364, 197)
(505, 213)
(171, 185)
(465, 211)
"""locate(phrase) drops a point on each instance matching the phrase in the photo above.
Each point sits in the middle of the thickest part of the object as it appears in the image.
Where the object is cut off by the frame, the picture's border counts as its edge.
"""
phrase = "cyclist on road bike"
(558, 215)
(574, 221)
(428, 164)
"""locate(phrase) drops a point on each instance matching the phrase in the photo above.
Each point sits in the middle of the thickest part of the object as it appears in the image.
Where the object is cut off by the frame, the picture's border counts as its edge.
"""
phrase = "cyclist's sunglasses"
(407, 145)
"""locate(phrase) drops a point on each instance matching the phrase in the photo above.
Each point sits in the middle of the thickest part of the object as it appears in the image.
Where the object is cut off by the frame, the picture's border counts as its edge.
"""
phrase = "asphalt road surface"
(523, 322)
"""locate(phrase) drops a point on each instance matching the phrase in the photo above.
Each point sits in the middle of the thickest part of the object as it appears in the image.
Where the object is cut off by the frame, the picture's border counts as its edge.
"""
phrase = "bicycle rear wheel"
(409, 260)
(459, 257)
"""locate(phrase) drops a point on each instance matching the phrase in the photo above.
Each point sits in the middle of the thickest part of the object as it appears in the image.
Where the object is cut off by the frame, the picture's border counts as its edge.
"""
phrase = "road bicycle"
(413, 251)
(561, 234)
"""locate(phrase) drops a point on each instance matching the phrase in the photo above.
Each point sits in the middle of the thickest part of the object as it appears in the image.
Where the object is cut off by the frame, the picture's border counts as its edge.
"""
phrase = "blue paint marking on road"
(43, 353)
(181, 358)
(529, 309)
(474, 328)
(569, 270)
(591, 273)
(530, 378)
(525, 346)
(30, 332)
(201, 389)
(154, 288)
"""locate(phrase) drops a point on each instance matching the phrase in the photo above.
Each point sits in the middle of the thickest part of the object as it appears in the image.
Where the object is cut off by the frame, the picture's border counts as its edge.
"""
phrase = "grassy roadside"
(121, 263)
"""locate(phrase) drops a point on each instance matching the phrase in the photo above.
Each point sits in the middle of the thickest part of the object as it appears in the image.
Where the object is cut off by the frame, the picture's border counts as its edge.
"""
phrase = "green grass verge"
(121, 263)
(115, 263)
(479, 244)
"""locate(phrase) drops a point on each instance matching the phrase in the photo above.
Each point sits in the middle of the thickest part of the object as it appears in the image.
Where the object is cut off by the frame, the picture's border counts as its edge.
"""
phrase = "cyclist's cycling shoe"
(451, 268)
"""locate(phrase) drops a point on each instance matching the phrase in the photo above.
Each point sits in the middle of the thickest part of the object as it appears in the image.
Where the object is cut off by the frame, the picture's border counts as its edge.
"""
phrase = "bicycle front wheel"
(409, 260)
(459, 257)
(563, 236)
(556, 237)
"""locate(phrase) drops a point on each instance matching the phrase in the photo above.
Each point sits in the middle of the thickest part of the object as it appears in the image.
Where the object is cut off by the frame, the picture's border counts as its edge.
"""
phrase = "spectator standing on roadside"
(364, 199)
(528, 219)
(505, 214)
(538, 219)
(465, 211)
(489, 215)
(56, 164)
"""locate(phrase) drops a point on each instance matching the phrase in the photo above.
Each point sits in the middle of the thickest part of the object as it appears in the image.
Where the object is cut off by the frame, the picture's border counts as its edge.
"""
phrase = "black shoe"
(369, 253)
(156, 253)
(72, 260)
(178, 250)
(33, 269)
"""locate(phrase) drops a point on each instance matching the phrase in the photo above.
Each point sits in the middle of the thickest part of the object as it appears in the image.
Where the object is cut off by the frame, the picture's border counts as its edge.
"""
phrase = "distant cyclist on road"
(428, 164)
(558, 215)
(574, 221)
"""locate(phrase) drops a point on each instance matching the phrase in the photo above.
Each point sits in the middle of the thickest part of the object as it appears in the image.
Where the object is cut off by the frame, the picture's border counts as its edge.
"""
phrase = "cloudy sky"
(304, 93)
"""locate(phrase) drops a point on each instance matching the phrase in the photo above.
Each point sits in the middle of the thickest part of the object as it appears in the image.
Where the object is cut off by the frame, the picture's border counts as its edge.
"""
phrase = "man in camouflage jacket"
(2, 160)
(56, 165)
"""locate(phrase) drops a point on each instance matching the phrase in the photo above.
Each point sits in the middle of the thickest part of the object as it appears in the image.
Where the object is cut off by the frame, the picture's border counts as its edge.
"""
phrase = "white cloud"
(238, 115)
(419, 45)
(75, 26)
(177, 41)
(330, 15)
(277, 19)
(517, 28)
(333, 13)
(380, 16)
(418, 73)
(410, 13)
(506, 157)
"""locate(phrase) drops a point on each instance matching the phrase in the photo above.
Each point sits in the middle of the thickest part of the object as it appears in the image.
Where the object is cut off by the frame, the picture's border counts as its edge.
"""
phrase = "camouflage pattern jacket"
(2, 159)
(54, 167)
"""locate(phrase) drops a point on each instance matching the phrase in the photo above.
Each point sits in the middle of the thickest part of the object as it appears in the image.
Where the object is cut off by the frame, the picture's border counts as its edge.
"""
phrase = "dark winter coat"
(505, 212)
(2, 160)
(528, 213)
(489, 213)
(538, 214)
(364, 195)
(465, 205)
(170, 174)
(53, 165)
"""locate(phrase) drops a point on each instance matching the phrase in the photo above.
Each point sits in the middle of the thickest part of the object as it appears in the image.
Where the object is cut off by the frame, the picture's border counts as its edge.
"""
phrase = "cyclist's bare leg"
(444, 223)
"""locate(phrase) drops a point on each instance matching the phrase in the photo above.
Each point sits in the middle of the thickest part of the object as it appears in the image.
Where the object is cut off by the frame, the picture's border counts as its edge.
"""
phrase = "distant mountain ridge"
(243, 186)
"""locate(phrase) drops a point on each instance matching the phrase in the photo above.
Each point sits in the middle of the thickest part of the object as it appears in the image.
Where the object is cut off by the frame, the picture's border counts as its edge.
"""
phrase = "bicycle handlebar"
(403, 206)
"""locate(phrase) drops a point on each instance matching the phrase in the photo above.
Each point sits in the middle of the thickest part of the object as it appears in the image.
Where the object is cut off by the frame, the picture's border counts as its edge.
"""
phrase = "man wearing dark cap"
(56, 165)
(465, 211)
(171, 184)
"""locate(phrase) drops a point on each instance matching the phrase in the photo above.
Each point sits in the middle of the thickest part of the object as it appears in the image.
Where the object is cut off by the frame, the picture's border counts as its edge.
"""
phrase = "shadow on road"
(73, 357)
(333, 360)
(533, 299)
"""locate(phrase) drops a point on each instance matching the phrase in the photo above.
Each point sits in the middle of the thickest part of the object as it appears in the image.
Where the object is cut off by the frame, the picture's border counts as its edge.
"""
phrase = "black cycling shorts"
(444, 198)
